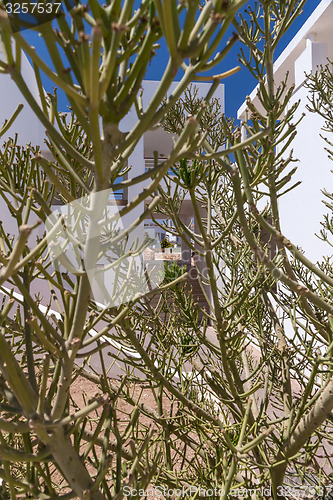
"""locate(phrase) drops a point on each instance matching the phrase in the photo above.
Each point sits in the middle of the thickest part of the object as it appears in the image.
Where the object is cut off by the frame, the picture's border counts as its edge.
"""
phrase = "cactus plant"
(238, 402)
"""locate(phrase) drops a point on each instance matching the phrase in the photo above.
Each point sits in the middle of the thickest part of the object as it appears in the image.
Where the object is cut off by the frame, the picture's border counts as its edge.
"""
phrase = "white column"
(312, 56)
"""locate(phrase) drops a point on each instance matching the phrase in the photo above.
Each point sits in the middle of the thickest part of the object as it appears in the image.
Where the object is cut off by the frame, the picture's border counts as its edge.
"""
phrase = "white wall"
(302, 209)
(27, 126)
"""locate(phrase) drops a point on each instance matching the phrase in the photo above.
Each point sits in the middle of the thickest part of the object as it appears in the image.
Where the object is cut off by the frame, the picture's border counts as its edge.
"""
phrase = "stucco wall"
(302, 209)
(27, 126)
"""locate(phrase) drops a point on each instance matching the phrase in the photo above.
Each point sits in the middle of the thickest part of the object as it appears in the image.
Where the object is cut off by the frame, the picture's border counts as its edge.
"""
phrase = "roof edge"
(302, 33)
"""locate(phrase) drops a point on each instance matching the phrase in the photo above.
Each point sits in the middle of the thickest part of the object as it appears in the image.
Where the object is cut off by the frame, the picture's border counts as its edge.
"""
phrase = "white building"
(30, 130)
(27, 125)
(161, 141)
(302, 209)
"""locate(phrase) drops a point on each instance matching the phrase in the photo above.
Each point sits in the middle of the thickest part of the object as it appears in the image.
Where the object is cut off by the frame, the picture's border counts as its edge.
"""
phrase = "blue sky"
(237, 87)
